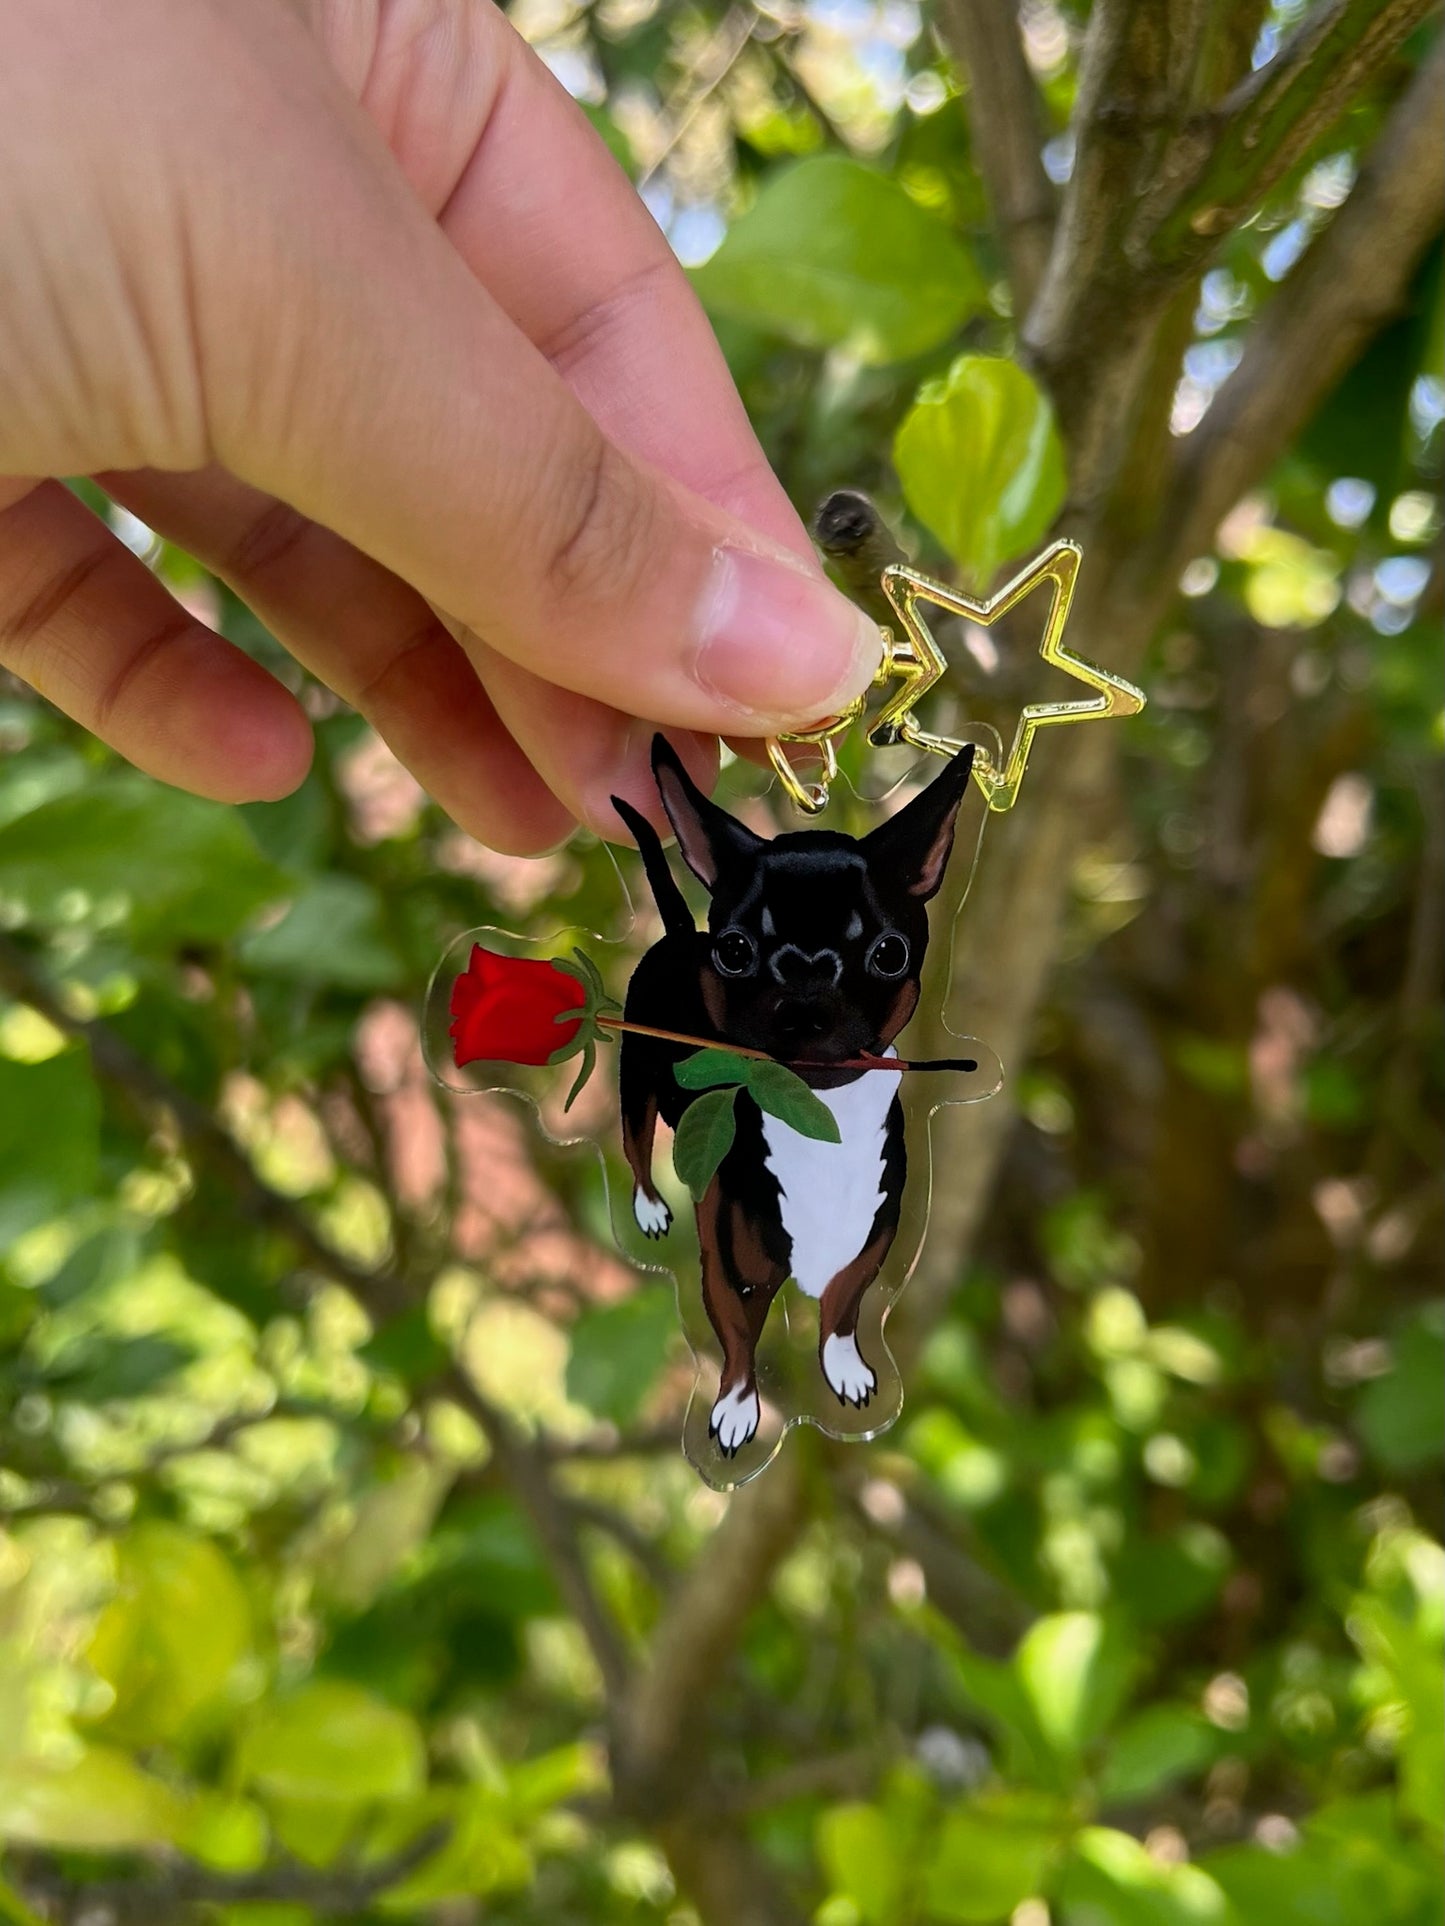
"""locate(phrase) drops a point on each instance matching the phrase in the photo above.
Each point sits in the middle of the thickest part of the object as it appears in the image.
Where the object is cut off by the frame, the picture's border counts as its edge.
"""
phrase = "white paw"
(734, 1419)
(851, 1379)
(653, 1216)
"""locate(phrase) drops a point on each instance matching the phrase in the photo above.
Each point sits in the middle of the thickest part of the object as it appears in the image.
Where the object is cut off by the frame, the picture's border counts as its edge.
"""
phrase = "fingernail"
(780, 643)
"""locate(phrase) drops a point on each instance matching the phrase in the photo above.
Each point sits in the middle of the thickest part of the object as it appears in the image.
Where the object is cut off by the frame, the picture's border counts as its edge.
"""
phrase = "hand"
(350, 301)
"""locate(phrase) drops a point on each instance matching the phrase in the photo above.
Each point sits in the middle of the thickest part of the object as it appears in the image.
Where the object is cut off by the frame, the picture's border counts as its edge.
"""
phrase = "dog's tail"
(671, 904)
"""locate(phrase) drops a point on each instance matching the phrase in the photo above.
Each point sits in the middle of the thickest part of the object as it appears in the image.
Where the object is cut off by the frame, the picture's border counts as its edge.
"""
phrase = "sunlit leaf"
(1112, 1878)
(100, 1799)
(175, 865)
(1289, 584)
(835, 254)
(981, 463)
(330, 1742)
(1075, 1668)
(860, 1859)
(171, 1641)
(393, 1518)
(992, 1853)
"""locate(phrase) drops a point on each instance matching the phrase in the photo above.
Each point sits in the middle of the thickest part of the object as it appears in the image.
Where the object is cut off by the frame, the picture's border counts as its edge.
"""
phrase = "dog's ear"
(710, 839)
(913, 847)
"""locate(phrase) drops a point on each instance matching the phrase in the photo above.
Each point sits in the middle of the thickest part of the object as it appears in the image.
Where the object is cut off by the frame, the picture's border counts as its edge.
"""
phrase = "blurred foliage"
(1136, 1619)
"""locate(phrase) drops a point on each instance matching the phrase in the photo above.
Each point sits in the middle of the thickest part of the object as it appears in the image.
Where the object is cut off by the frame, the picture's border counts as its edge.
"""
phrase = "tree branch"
(555, 1524)
(1354, 279)
(344, 1890)
(700, 1630)
(1271, 120)
(1159, 180)
(1006, 123)
(1091, 327)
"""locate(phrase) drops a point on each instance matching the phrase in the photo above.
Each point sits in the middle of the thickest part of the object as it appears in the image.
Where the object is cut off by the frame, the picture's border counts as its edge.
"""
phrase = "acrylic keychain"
(765, 1029)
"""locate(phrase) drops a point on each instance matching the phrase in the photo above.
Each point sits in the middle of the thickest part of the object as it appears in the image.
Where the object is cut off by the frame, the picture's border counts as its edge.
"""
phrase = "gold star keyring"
(923, 663)
(916, 662)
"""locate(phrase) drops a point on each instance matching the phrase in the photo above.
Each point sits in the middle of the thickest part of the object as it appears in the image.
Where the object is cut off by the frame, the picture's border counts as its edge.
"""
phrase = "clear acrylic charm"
(766, 1143)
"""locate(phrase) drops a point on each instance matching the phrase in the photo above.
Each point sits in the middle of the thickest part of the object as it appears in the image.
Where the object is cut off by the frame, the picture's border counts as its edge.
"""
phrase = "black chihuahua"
(813, 951)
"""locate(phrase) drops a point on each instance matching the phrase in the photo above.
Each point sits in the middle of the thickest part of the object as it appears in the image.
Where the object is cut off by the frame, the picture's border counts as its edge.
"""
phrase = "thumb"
(415, 420)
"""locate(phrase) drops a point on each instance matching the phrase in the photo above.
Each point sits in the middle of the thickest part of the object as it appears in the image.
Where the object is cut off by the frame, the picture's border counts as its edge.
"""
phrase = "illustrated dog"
(813, 952)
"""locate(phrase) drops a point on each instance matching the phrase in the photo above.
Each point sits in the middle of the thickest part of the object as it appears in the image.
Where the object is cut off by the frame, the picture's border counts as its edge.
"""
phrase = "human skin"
(347, 298)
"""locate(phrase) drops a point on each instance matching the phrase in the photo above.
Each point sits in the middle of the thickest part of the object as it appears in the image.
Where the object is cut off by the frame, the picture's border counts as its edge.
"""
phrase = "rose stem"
(762, 1056)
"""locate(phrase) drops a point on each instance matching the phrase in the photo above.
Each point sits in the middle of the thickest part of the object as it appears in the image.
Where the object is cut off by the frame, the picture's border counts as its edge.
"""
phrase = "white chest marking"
(831, 1192)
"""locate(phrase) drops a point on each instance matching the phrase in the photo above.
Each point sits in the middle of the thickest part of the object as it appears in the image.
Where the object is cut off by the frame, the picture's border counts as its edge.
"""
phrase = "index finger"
(528, 194)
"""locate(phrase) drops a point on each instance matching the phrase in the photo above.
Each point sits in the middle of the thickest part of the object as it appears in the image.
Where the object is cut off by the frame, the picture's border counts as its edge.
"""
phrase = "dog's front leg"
(850, 1376)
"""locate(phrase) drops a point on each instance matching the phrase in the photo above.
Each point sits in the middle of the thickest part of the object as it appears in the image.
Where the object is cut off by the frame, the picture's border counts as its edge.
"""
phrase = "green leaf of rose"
(703, 1137)
(783, 1094)
(707, 1068)
(773, 1087)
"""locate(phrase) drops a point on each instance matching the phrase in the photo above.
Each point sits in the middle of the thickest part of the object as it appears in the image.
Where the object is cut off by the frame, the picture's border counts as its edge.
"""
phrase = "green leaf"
(172, 1640)
(229, 1835)
(49, 1139)
(992, 1853)
(332, 1743)
(705, 1069)
(981, 463)
(861, 1862)
(617, 1351)
(408, 1347)
(783, 1094)
(536, 1785)
(1113, 1880)
(100, 1801)
(95, 1265)
(104, 1368)
(968, 1472)
(836, 255)
(28, 781)
(1408, 1680)
(703, 1138)
(1075, 1668)
(772, 1086)
(1401, 1416)
(392, 1520)
(295, 833)
(1166, 1578)
(479, 1853)
(1158, 1746)
(994, 1690)
(179, 867)
(1354, 1863)
(484, 1546)
(334, 932)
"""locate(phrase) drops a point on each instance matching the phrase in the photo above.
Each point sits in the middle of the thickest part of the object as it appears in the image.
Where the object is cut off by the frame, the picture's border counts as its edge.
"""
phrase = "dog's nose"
(799, 969)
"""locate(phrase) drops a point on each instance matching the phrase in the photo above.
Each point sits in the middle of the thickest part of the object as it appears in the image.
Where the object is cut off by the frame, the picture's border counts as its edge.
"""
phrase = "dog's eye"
(735, 953)
(889, 955)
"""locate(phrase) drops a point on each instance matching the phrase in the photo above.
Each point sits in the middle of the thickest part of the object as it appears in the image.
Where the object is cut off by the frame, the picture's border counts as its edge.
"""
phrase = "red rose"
(505, 1010)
